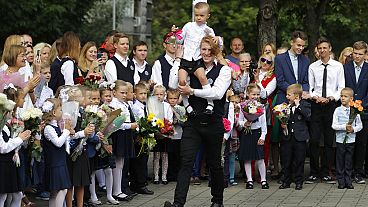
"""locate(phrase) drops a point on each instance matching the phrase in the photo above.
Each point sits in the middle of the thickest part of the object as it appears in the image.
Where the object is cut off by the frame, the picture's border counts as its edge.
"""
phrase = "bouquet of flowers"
(92, 81)
(168, 129)
(252, 109)
(355, 109)
(114, 122)
(282, 112)
(6, 106)
(180, 116)
(147, 127)
(92, 115)
(32, 121)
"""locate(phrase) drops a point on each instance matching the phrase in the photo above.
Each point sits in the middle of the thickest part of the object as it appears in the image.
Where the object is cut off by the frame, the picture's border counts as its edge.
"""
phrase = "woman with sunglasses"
(265, 77)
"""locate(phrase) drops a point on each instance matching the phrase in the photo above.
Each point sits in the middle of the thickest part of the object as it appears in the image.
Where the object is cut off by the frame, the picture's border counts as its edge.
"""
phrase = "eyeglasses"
(264, 60)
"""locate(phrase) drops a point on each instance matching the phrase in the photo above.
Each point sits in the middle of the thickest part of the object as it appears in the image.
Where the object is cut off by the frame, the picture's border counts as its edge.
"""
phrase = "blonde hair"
(83, 63)
(252, 86)
(202, 5)
(348, 90)
(270, 72)
(40, 46)
(10, 40)
(74, 93)
(342, 58)
(273, 48)
(121, 83)
(55, 48)
(296, 89)
(10, 58)
(49, 116)
(159, 87)
(140, 86)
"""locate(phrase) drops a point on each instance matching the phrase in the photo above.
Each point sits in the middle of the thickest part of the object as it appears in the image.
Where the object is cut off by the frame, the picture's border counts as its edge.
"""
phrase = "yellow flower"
(160, 123)
(150, 116)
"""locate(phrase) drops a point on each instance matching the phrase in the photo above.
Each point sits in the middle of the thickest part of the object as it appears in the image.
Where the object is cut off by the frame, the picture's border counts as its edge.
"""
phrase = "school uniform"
(161, 70)
(163, 144)
(141, 72)
(10, 181)
(56, 170)
(293, 145)
(119, 68)
(344, 151)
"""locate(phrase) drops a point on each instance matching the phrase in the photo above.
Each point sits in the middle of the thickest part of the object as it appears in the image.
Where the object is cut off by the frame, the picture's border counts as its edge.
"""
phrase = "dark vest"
(200, 104)
(124, 73)
(146, 74)
(165, 70)
(57, 79)
(55, 155)
(8, 157)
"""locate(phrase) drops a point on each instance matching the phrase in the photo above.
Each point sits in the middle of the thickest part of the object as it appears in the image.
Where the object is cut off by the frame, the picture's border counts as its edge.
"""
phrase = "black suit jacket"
(298, 122)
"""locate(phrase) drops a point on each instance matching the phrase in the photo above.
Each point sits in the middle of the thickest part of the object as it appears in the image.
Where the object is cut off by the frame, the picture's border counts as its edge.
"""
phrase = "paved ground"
(320, 194)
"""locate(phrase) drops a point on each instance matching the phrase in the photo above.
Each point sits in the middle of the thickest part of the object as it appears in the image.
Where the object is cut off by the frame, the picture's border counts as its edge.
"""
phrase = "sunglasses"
(264, 60)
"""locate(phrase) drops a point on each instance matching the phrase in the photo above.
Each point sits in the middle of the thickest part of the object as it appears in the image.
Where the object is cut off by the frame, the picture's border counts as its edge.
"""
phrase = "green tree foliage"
(44, 20)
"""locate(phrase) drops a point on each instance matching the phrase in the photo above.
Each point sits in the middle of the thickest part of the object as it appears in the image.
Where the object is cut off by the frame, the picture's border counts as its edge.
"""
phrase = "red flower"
(79, 80)
(98, 77)
(259, 110)
(92, 76)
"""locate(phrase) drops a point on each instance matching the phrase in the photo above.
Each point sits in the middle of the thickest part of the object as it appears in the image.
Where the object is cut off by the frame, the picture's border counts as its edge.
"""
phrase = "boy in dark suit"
(293, 145)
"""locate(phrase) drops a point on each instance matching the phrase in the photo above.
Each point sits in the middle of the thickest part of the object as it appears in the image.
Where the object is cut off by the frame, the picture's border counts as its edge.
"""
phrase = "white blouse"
(52, 136)
(6, 147)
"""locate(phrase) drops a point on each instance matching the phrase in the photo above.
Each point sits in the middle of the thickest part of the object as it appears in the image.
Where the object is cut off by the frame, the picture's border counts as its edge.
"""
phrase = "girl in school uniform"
(57, 179)
(251, 144)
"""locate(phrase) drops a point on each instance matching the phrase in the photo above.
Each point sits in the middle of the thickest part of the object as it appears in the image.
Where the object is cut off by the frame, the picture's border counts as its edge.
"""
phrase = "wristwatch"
(191, 92)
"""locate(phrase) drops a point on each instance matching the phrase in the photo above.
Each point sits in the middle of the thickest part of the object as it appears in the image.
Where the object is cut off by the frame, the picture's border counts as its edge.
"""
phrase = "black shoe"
(265, 185)
(156, 182)
(226, 184)
(284, 186)
(126, 198)
(208, 112)
(328, 179)
(349, 186)
(249, 185)
(340, 186)
(359, 179)
(144, 191)
(311, 179)
(130, 192)
(165, 182)
(217, 205)
(298, 187)
(168, 204)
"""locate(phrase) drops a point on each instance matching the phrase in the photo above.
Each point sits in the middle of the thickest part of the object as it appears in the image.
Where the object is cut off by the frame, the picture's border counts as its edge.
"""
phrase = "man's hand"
(185, 90)
(179, 51)
(306, 95)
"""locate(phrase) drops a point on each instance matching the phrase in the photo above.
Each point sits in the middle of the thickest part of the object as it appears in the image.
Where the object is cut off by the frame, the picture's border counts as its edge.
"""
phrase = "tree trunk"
(266, 21)
(313, 22)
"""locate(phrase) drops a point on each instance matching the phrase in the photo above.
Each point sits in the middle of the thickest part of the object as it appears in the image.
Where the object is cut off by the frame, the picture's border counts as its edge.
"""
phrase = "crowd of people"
(192, 75)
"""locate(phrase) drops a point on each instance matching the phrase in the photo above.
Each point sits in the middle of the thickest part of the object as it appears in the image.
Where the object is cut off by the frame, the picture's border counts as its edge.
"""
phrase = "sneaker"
(328, 179)
(311, 179)
(359, 180)
(43, 196)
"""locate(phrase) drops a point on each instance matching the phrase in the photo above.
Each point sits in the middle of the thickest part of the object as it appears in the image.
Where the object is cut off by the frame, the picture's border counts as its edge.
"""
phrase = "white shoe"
(96, 202)
(113, 202)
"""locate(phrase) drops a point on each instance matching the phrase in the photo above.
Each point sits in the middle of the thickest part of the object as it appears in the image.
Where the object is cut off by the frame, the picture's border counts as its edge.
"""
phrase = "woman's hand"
(32, 83)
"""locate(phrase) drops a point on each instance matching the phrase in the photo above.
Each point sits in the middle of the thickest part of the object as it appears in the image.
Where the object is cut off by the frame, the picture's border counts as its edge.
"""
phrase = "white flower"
(3, 99)
(252, 110)
(35, 112)
(9, 106)
(25, 115)
(92, 108)
(154, 123)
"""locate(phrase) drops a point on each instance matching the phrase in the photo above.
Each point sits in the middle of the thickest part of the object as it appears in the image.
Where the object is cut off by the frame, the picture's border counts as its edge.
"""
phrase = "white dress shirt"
(216, 92)
(270, 88)
(231, 118)
(67, 69)
(11, 144)
(192, 35)
(168, 113)
(357, 70)
(45, 94)
(110, 67)
(335, 79)
(156, 69)
(116, 104)
(52, 136)
(138, 109)
(261, 123)
(138, 68)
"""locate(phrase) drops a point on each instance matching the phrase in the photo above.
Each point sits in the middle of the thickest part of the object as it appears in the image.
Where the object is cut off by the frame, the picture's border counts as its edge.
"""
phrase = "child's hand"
(349, 128)
(179, 51)
(68, 124)
(108, 148)
(25, 135)
(248, 124)
(284, 126)
(100, 136)
(72, 132)
(88, 131)
(260, 141)
(133, 125)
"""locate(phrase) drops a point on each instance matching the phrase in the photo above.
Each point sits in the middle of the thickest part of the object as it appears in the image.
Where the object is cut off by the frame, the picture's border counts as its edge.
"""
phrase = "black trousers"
(138, 168)
(344, 163)
(360, 149)
(174, 160)
(321, 121)
(210, 133)
(293, 157)
(226, 160)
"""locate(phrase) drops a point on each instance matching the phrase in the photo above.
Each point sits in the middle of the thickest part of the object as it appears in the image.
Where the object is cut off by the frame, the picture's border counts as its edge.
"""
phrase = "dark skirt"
(249, 149)
(164, 144)
(105, 162)
(122, 144)
(57, 178)
(10, 180)
(79, 171)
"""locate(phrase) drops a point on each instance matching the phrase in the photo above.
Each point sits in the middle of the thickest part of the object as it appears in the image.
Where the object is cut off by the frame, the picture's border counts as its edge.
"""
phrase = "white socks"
(2, 199)
(109, 183)
(100, 178)
(165, 165)
(156, 165)
(92, 187)
(57, 198)
(248, 170)
(118, 175)
(261, 168)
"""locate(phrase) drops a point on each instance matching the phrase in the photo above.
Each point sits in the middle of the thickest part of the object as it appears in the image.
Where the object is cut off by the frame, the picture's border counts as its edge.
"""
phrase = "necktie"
(324, 81)
(145, 109)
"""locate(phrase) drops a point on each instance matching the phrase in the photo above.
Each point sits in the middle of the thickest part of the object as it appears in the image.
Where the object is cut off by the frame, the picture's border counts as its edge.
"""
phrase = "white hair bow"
(64, 95)
(47, 106)
(10, 85)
